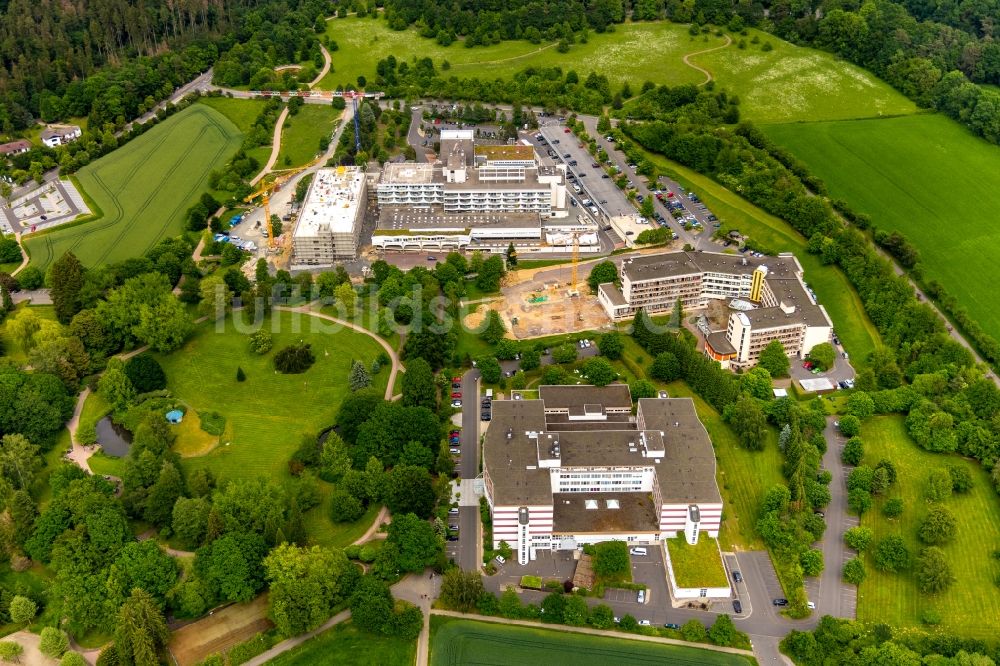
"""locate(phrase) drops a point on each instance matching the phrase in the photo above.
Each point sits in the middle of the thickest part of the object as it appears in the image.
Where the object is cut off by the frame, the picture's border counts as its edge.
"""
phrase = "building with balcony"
(767, 295)
(329, 224)
(575, 466)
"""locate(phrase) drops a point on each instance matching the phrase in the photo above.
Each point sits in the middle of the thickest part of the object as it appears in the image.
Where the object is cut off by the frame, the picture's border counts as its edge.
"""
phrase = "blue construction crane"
(357, 127)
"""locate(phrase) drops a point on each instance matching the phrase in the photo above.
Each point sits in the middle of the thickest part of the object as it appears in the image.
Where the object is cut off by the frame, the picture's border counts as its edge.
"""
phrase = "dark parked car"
(737, 606)
(737, 576)
(671, 625)
(486, 416)
(780, 602)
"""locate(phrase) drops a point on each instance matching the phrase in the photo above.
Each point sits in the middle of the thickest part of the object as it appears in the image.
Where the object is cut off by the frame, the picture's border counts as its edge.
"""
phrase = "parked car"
(737, 576)
(672, 625)
(500, 558)
(638, 551)
(485, 416)
(644, 623)
(456, 380)
(455, 433)
(456, 394)
(811, 605)
(737, 606)
(780, 602)
(453, 511)
(455, 451)
(641, 597)
(456, 403)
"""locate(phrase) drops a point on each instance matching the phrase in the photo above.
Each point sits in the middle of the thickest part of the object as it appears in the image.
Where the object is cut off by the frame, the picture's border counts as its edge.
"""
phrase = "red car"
(456, 379)
(456, 395)
(566, 130)
(455, 433)
(808, 365)
(670, 194)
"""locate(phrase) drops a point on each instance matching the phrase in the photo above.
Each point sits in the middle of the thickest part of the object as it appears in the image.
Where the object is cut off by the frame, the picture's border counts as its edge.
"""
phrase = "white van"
(639, 550)
(576, 188)
(593, 209)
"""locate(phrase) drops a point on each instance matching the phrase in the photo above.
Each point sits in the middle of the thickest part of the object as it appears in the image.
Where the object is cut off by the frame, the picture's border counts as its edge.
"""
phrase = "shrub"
(694, 631)
(22, 609)
(73, 659)
(145, 373)
(930, 617)
(212, 422)
(859, 538)
(939, 526)
(11, 651)
(850, 425)
(893, 508)
(854, 571)
(53, 642)
(961, 478)
(892, 555)
(345, 508)
(294, 359)
(240, 375)
(261, 342)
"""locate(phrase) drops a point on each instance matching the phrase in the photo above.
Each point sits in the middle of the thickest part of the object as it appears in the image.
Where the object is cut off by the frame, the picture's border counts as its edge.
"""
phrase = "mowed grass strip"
(970, 607)
(346, 645)
(143, 189)
(857, 333)
(302, 132)
(797, 83)
(270, 412)
(926, 177)
(743, 476)
(457, 642)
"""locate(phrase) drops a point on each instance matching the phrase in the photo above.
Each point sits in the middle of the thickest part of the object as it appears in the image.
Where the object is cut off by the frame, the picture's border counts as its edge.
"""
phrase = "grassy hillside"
(797, 83)
(787, 83)
(302, 132)
(143, 189)
(926, 177)
(970, 607)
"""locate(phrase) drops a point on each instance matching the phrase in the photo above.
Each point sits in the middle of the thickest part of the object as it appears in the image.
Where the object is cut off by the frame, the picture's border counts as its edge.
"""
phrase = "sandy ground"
(540, 304)
(219, 631)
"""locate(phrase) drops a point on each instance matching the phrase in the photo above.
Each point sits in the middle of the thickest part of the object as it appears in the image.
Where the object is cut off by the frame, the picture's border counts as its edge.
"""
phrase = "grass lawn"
(924, 176)
(325, 532)
(743, 476)
(242, 113)
(699, 565)
(787, 83)
(269, 412)
(970, 607)
(633, 52)
(143, 189)
(301, 134)
(345, 645)
(797, 83)
(834, 291)
(456, 641)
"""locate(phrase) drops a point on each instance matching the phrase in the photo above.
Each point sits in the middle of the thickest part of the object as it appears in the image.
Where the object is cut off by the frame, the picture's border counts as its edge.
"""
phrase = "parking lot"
(606, 196)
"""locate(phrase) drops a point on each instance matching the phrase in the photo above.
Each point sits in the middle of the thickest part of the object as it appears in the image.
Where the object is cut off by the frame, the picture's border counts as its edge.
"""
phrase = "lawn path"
(24, 255)
(383, 514)
(275, 148)
(502, 60)
(393, 356)
(286, 645)
(326, 67)
(708, 74)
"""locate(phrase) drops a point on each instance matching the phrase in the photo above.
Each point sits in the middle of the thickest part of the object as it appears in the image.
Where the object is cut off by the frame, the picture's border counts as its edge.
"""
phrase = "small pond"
(113, 438)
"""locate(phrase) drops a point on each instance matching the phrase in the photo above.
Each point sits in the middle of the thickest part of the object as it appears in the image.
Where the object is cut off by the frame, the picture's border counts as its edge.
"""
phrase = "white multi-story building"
(769, 299)
(57, 135)
(576, 467)
(329, 224)
(481, 196)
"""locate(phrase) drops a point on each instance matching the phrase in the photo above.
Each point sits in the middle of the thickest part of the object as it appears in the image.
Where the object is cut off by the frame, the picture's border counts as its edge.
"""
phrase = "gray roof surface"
(611, 396)
(686, 472)
(636, 513)
(435, 217)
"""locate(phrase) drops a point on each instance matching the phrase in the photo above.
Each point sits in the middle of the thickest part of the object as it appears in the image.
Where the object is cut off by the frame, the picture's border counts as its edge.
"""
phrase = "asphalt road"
(468, 468)
(835, 597)
(413, 137)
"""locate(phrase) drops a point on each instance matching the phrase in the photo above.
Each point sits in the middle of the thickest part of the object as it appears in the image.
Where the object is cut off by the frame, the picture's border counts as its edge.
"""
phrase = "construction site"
(550, 301)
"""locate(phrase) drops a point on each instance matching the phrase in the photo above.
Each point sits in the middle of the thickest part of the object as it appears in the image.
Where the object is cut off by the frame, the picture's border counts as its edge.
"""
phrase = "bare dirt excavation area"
(537, 303)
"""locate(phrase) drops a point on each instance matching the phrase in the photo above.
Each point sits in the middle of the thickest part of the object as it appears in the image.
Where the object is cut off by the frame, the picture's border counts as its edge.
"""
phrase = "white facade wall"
(525, 538)
(674, 519)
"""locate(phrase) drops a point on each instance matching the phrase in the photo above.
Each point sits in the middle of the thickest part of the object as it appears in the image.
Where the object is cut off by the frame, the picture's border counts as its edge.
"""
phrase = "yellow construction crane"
(265, 192)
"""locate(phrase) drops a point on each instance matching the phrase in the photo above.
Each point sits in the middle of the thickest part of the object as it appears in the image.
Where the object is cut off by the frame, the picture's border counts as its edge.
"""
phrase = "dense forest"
(112, 60)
